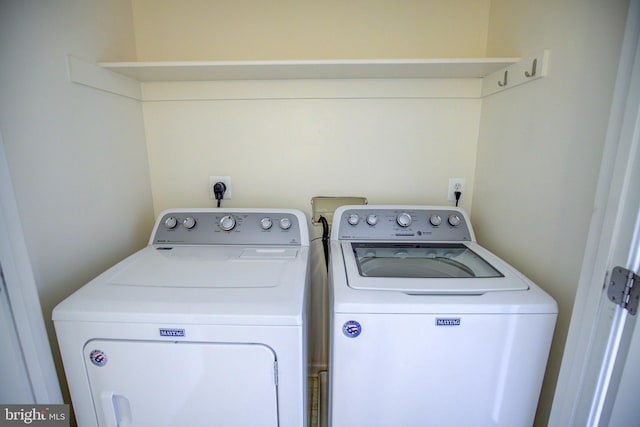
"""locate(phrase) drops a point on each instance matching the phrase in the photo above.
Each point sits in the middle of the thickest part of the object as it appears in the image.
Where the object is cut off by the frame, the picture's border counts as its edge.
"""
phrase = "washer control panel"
(411, 223)
(222, 227)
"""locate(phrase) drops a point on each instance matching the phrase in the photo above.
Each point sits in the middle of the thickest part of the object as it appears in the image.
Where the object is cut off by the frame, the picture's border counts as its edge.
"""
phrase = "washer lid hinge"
(624, 289)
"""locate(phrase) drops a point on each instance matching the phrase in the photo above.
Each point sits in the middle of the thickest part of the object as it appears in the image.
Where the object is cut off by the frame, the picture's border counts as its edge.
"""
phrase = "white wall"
(77, 156)
(540, 146)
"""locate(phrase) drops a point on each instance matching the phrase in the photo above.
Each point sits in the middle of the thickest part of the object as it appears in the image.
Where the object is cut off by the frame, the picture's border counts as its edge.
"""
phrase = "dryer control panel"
(230, 227)
(402, 223)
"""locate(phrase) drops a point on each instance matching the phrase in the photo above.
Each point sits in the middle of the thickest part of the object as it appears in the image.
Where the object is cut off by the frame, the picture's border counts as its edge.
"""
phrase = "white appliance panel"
(404, 369)
(147, 383)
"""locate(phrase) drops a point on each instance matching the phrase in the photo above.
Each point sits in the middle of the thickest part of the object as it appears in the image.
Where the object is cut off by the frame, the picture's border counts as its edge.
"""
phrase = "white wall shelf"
(382, 78)
(309, 69)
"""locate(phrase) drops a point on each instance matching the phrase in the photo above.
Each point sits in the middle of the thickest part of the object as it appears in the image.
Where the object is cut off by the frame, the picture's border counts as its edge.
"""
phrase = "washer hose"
(325, 239)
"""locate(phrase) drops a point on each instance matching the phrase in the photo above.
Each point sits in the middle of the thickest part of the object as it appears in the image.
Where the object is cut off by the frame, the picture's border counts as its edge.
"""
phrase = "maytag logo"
(171, 332)
(448, 321)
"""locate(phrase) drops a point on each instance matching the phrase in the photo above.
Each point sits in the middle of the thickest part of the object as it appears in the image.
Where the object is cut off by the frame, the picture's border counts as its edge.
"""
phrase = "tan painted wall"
(540, 146)
(308, 29)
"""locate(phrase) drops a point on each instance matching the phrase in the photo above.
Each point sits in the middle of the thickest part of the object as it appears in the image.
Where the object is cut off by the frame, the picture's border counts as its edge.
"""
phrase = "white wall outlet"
(227, 183)
(455, 184)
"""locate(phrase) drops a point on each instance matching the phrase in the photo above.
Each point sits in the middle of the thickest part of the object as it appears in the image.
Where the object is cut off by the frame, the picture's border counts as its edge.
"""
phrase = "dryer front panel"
(153, 383)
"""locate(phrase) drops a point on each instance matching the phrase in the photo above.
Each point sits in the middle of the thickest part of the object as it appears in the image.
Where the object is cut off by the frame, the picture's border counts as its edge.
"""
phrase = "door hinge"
(624, 289)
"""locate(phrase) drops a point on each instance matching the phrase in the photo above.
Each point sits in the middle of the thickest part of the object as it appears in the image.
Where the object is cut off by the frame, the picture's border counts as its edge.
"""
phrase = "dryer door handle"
(115, 409)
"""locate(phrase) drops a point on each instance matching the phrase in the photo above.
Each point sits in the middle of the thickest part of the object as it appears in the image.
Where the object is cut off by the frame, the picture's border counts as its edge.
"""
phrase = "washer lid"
(425, 268)
(206, 267)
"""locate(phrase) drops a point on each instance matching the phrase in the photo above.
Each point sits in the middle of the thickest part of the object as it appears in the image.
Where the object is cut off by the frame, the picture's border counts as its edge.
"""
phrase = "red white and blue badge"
(98, 357)
(351, 328)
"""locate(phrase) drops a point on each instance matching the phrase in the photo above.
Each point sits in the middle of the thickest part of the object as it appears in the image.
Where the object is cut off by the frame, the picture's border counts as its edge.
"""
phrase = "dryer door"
(153, 383)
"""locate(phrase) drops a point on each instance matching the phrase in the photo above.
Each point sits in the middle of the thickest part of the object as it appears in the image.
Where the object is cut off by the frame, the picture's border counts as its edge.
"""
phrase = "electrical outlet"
(227, 182)
(455, 184)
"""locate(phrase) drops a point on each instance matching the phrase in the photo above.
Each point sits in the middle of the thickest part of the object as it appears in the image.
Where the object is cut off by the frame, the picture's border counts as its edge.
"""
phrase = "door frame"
(23, 296)
(599, 333)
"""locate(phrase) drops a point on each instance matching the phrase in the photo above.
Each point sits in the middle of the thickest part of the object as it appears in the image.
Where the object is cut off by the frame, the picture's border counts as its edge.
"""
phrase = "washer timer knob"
(285, 223)
(170, 223)
(189, 222)
(454, 220)
(266, 223)
(227, 223)
(404, 219)
(353, 219)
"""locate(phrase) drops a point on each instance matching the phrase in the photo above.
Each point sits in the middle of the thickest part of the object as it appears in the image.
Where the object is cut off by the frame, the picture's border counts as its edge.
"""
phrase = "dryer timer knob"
(227, 223)
(404, 219)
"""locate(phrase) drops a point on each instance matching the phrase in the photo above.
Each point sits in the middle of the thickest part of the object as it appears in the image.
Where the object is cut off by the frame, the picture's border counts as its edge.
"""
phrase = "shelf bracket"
(91, 75)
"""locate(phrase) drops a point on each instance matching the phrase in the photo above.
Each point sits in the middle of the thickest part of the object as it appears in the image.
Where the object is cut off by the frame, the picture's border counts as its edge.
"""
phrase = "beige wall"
(284, 152)
(392, 149)
(540, 146)
(76, 155)
(308, 29)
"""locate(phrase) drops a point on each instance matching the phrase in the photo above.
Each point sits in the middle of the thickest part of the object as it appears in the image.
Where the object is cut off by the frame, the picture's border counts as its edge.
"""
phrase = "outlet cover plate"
(227, 183)
(453, 183)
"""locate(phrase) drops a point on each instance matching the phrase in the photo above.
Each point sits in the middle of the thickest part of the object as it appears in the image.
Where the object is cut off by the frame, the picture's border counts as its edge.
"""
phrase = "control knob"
(170, 223)
(285, 223)
(435, 220)
(266, 223)
(372, 219)
(404, 219)
(189, 222)
(454, 220)
(227, 223)
(353, 219)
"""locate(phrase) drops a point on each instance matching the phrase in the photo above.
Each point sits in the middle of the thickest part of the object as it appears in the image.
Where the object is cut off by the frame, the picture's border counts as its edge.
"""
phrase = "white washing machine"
(427, 327)
(205, 326)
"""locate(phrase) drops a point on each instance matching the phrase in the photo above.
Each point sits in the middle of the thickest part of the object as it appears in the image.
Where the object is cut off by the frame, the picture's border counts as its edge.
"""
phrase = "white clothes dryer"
(427, 327)
(207, 325)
